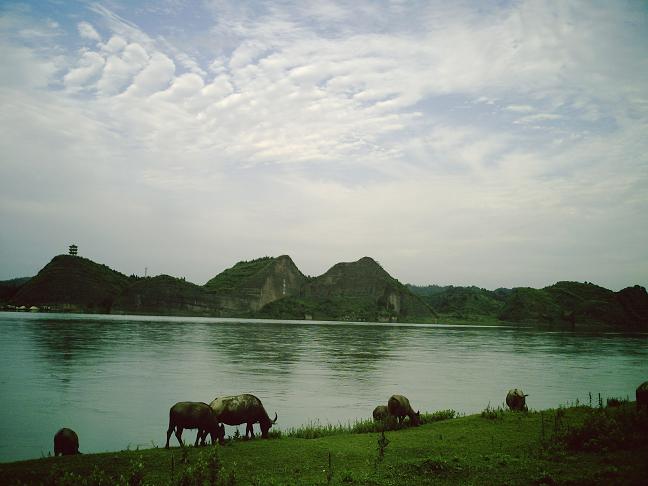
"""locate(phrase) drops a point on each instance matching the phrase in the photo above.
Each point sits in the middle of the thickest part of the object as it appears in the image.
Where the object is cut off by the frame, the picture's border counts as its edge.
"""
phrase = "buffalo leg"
(169, 432)
(250, 429)
(178, 434)
(203, 436)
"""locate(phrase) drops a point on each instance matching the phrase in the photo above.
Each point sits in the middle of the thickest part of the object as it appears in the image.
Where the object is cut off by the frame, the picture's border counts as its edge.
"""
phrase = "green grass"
(562, 446)
(315, 430)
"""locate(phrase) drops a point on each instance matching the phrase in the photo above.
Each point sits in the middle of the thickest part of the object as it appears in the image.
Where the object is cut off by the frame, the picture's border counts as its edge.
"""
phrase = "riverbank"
(577, 445)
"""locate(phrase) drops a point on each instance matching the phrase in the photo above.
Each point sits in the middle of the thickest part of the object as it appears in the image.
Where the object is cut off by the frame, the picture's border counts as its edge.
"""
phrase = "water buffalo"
(66, 442)
(243, 409)
(642, 395)
(399, 406)
(380, 413)
(516, 399)
(194, 415)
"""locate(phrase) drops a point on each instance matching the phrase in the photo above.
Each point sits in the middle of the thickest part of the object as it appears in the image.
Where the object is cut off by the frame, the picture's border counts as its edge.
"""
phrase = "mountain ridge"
(274, 287)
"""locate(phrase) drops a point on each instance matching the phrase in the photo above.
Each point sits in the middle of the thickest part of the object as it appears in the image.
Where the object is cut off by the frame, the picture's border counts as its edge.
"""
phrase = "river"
(113, 378)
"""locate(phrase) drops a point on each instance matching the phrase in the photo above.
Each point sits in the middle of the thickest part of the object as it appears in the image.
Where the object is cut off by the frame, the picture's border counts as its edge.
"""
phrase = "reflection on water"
(113, 378)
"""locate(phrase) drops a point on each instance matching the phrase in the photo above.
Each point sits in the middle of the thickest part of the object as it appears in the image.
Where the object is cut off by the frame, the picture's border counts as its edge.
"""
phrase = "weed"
(615, 402)
(329, 471)
(492, 413)
(383, 442)
(135, 473)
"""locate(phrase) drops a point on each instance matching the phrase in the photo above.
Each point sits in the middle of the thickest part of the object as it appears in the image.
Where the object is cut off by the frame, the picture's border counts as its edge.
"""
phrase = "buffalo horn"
(275, 420)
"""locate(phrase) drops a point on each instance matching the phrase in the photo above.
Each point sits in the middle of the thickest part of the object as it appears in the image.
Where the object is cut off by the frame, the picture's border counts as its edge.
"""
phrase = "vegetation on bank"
(575, 445)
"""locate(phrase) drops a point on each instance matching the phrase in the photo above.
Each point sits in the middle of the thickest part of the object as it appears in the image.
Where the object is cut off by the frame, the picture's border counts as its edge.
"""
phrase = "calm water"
(113, 378)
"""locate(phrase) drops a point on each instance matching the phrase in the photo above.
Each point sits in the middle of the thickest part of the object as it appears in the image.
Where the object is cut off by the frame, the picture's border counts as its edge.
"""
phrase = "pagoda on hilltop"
(73, 249)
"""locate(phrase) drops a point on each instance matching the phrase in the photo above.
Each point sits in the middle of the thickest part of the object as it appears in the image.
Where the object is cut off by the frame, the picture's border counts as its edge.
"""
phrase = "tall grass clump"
(492, 413)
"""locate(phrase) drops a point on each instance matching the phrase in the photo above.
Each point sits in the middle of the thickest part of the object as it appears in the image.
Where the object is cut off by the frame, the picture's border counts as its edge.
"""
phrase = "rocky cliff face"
(248, 286)
(165, 295)
(367, 285)
(281, 279)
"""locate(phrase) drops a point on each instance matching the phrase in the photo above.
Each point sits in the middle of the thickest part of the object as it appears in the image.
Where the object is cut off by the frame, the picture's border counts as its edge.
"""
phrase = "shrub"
(606, 429)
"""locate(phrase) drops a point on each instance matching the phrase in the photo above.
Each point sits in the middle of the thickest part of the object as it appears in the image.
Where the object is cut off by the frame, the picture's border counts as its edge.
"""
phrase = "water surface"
(114, 378)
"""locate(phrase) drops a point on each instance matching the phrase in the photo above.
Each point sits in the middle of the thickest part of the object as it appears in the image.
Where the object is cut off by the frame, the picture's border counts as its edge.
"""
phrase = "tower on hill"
(73, 249)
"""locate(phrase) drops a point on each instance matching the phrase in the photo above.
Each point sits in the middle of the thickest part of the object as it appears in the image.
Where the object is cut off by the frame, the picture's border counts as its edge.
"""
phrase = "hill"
(360, 290)
(9, 288)
(578, 304)
(73, 283)
(165, 295)
(248, 286)
(273, 287)
(565, 304)
(461, 302)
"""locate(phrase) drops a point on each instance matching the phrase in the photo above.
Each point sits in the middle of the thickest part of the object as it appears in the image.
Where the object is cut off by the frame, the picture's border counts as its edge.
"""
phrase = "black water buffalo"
(642, 395)
(194, 415)
(243, 409)
(516, 399)
(399, 406)
(66, 442)
(380, 413)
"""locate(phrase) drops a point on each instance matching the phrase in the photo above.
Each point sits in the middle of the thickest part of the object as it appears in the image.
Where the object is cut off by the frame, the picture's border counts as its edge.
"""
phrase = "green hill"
(578, 304)
(273, 287)
(461, 302)
(73, 283)
(249, 285)
(9, 288)
(354, 291)
(165, 295)
(239, 276)
(566, 304)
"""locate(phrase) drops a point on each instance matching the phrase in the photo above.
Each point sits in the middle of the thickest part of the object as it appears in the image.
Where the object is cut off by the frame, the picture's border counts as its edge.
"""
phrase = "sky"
(489, 143)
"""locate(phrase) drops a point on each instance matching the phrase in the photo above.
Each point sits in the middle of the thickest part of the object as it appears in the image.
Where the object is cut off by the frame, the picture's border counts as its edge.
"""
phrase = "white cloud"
(539, 117)
(122, 64)
(520, 108)
(87, 31)
(90, 67)
(156, 76)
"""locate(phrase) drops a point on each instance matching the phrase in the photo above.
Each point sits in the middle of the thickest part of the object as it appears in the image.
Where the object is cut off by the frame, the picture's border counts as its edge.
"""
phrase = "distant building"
(73, 250)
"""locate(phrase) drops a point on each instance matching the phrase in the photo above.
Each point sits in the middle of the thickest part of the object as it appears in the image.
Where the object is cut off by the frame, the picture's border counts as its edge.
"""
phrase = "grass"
(576, 445)
(315, 430)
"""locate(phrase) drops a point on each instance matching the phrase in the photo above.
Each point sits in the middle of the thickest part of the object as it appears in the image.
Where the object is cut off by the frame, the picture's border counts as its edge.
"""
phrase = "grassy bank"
(577, 445)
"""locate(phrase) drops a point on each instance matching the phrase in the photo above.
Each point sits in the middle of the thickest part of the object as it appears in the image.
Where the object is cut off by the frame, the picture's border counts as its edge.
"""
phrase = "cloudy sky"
(500, 143)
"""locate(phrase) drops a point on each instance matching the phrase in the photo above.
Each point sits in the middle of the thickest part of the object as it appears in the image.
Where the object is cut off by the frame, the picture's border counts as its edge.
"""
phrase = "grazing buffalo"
(66, 442)
(642, 395)
(516, 399)
(243, 409)
(399, 406)
(194, 415)
(380, 413)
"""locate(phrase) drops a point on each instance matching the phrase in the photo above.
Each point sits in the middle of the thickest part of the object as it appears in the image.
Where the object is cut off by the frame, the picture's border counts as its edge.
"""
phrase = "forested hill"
(264, 287)
(565, 304)
(355, 291)
(73, 283)
(274, 287)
